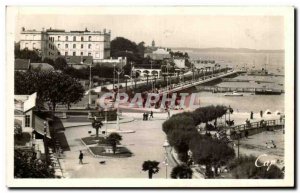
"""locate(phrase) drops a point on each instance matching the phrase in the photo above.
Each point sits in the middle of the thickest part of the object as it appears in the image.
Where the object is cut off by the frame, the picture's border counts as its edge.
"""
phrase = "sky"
(192, 31)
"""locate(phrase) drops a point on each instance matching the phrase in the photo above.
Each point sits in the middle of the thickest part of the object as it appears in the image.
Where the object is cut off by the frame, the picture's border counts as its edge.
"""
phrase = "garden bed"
(100, 151)
(93, 140)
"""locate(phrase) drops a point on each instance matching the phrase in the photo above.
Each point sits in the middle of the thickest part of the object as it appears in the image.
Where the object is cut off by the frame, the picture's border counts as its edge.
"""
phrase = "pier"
(202, 80)
(256, 127)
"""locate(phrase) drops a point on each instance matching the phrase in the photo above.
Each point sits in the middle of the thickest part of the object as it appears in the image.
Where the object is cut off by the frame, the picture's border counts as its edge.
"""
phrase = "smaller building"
(158, 54)
(79, 60)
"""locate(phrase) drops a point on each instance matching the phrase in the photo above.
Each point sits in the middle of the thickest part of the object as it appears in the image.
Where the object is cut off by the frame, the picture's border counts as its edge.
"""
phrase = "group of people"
(147, 116)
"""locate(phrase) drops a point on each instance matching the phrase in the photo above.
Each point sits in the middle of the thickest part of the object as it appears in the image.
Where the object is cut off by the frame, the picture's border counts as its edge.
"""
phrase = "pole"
(90, 86)
(131, 75)
(118, 125)
(114, 76)
(105, 123)
(45, 141)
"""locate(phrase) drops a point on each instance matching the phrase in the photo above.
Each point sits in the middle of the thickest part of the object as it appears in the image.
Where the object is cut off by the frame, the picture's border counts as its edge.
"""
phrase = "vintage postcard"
(150, 96)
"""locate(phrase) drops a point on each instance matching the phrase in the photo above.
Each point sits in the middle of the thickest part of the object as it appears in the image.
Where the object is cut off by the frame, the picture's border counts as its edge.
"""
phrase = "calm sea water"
(275, 61)
(248, 102)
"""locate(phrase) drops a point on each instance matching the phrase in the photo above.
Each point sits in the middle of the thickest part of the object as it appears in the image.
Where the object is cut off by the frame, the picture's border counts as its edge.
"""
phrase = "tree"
(113, 139)
(151, 167)
(33, 55)
(97, 124)
(53, 87)
(180, 129)
(27, 166)
(244, 168)
(182, 172)
(49, 61)
(60, 63)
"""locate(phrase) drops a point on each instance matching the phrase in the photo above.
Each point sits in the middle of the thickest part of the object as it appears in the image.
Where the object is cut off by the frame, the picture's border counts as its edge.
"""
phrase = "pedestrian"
(143, 116)
(261, 114)
(251, 115)
(168, 114)
(151, 114)
(80, 157)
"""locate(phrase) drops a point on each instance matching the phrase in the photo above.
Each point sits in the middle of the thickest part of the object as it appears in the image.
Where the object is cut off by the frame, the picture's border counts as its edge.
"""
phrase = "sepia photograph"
(151, 96)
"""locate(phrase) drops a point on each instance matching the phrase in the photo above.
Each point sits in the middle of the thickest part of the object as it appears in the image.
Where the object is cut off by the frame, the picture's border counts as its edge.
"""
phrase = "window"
(66, 53)
(81, 53)
(97, 46)
(89, 54)
(66, 46)
(27, 120)
(26, 37)
(74, 53)
(33, 37)
(67, 38)
(90, 46)
(82, 38)
(74, 38)
(33, 45)
(58, 38)
(58, 45)
(26, 45)
(97, 54)
(74, 45)
(81, 45)
(49, 46)
(49, 38)
(90, 38)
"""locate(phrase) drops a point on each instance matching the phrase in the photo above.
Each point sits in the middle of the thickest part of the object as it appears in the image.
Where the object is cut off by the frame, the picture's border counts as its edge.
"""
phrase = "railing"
(260, 124)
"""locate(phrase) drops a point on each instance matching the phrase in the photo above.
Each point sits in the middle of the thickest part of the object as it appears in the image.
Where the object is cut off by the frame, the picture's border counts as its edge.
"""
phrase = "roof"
(42, 66)
(22, 64)
(79, 59)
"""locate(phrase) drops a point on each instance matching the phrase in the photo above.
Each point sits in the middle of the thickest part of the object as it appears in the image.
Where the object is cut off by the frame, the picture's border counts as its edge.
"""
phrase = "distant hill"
(232, 50)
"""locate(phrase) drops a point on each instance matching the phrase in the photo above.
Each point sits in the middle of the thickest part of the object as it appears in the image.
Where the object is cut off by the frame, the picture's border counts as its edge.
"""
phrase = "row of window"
(33, 45)
(81, 54)
(74, 38)
(81, 46)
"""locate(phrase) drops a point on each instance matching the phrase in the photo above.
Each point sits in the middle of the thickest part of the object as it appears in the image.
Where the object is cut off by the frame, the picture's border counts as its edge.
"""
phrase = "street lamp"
(118, 94)
(90, 86)
(166, 145)
(45, 141)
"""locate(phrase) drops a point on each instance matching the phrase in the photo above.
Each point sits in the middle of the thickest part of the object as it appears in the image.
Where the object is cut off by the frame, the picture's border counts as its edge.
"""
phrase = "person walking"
(261, 114)
(80, 157)
(151, 114)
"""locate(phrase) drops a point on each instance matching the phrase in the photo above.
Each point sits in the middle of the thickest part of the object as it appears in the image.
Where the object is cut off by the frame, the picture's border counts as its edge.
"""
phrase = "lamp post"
(118, 95)
(166, 145)
(90, 86)
(45, 141)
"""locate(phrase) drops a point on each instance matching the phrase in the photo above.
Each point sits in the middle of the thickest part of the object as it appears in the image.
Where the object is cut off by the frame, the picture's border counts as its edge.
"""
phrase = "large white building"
(53, 43)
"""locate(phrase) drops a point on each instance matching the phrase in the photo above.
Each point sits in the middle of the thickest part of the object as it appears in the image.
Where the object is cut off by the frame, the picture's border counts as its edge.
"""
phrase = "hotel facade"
(53, 43)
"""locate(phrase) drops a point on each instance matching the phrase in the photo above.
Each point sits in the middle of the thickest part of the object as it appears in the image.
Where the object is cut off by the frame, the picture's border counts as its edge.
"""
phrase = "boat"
(267, 92)
(234, 93)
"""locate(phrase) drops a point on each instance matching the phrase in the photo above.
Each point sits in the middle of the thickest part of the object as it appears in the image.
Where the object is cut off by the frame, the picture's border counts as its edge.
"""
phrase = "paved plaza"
(145, 144)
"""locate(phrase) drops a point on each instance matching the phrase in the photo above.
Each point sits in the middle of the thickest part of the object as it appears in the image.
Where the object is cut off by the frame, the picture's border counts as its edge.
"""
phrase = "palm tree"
(182, 172)
(151, 167)
(113, 139)
(147, 75)
(97, 124)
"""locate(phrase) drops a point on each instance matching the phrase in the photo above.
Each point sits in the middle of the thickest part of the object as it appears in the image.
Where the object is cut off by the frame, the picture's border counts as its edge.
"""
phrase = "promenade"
(145, 144)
